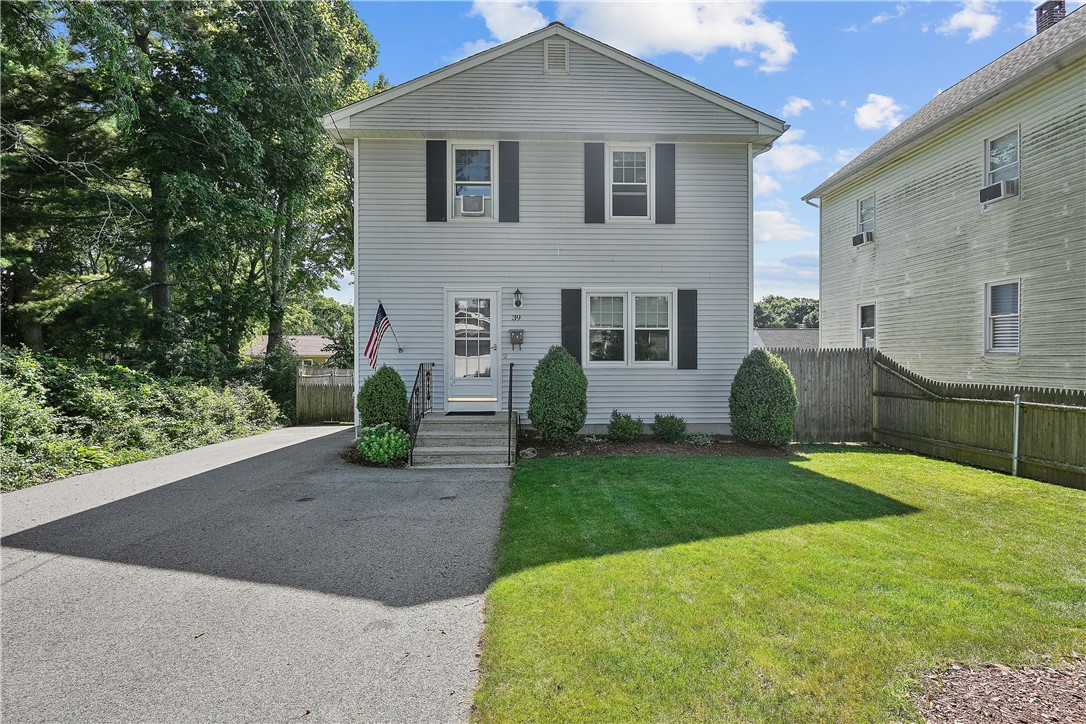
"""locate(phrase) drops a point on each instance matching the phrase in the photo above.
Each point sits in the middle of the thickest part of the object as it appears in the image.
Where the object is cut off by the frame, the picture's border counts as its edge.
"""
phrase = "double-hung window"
(473, 181)
(630, 327)
(1001, 158)
(630, 186)
(865, 215)
(1002, 324)
(867, 325)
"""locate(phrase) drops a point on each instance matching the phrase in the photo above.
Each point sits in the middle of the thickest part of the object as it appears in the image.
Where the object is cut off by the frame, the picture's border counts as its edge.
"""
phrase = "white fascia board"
(768, 125)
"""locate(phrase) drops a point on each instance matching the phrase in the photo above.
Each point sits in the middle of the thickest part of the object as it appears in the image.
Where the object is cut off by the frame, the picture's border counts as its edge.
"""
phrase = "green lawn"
(811, 588)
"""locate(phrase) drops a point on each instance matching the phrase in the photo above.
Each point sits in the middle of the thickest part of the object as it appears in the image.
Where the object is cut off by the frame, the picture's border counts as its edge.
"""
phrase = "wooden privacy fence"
(858, 395)
(834, 391)
(976, 424)
(325, 395)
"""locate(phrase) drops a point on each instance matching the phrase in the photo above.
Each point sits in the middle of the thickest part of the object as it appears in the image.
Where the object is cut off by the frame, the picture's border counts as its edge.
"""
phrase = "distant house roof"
(786, 338)
(1059, 44)
(304, 345)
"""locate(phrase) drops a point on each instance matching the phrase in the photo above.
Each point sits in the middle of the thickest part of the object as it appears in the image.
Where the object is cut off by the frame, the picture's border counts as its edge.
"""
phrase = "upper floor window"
(473, 181)
(867, 325)
(630, 327)
(629, 187)
(865, 215)
(1001, 158)
(1001, 317)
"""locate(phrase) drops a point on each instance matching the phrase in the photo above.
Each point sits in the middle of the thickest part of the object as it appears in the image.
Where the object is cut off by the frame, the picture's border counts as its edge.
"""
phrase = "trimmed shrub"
(383, 444)
(383, 399)
(624, 428)
(558, 405)
(763, 400)
(669, 428)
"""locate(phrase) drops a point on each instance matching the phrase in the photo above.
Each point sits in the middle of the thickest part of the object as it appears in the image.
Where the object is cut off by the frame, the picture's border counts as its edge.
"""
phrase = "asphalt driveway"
(256, 580)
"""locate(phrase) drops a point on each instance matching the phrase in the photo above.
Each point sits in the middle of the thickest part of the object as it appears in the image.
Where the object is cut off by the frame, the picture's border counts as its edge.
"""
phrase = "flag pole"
(399, 346)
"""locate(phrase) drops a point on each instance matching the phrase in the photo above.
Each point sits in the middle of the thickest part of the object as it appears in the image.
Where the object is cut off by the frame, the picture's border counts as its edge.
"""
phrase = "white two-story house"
(554, 190)
(956, 244)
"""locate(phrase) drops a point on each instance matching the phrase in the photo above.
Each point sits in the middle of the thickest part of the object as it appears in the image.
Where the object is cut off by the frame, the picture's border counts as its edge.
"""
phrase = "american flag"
(380, 326)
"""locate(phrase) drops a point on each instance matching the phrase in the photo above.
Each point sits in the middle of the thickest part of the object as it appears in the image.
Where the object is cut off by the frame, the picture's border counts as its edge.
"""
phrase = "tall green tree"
(774, 311)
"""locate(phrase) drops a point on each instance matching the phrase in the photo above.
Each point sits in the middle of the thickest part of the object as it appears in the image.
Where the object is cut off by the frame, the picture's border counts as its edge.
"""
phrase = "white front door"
(471, 351)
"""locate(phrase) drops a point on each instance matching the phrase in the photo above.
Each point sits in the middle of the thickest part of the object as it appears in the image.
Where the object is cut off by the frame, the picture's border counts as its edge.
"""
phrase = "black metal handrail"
(422, 402)
(513, 434)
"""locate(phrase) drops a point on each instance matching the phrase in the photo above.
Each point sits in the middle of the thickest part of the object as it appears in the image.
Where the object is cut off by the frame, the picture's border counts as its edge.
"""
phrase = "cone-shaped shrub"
(383, 398)
(559, 402)
(763, 400)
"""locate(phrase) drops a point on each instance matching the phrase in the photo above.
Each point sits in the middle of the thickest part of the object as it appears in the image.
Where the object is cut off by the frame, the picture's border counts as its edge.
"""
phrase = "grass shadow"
(606, 505)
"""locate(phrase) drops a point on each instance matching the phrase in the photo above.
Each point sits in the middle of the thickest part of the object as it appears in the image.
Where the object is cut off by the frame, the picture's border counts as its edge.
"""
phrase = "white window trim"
(628, 325)
(860, 329)
(650, 180)
(988, 316)
(450, 196)
(874, 211)
(986, 172)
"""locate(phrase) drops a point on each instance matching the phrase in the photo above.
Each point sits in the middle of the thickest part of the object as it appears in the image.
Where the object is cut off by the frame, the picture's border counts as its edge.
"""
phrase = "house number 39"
(516, 317)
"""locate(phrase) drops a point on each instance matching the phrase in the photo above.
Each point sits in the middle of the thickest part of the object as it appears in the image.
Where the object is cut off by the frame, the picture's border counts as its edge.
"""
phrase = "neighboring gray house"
(560, 187)
(956, 244)
(772, 338)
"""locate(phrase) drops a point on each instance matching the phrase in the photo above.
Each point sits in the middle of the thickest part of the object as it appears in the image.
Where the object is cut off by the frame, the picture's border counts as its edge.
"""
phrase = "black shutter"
(686, 313)
(594, 183)
(571, 322)
(437, 189)
(508, 181)
(665, 183)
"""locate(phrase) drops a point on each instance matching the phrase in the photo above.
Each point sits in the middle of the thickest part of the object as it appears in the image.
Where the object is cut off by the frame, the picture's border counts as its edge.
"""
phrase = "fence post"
(1014, 447)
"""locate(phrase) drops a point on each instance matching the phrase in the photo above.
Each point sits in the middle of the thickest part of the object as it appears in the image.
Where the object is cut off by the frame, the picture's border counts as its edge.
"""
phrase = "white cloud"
(792, 276)
(899, 11)
(844, 155)
(787, 156)
(505, 21)
(795, 106)
(764, 184)
(742, 62)
(879, 112)
(683, 26)
(773, 226)
(979, 17)
(802, 260)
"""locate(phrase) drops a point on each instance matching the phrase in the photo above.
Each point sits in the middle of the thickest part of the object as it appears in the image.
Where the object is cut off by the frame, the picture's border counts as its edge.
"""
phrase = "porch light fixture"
(518, 298)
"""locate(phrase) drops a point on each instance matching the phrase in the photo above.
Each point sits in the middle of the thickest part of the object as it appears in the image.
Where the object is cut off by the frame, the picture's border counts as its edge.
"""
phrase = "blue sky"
(841, 73)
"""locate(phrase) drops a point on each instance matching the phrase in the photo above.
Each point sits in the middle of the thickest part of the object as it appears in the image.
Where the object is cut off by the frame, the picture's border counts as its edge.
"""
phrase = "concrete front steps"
(470, 441)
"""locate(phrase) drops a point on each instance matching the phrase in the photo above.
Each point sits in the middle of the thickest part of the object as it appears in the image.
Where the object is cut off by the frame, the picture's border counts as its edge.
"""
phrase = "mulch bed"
(996, 694)
(589, 446)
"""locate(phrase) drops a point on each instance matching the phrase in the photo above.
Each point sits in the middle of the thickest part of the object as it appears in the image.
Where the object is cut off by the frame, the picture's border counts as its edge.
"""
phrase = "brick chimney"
(1049, 13)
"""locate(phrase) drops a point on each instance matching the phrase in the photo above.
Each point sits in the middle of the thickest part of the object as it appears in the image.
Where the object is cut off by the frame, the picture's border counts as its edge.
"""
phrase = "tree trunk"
(277, 288)
(30, 328)
(161, 241)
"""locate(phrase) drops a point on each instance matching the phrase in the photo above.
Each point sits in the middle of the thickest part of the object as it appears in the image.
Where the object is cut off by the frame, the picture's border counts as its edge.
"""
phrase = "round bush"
(624, 428)
(763, 400)
(383, 399)
(383, 444)
(669, 428)
(558, 406)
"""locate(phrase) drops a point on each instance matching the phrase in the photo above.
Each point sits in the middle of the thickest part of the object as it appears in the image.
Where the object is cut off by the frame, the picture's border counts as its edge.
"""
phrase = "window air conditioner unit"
(472, 205)
(863, 238)
(999, 190)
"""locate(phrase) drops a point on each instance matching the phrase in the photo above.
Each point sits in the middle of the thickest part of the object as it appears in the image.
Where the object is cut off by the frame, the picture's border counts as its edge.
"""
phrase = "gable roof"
(775, 338)
(336, 121)
(1058, 44)
(304, 345)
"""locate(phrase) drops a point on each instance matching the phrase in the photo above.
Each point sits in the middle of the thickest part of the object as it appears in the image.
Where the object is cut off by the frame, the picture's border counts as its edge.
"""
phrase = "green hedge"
(61, 417)
(763, 400)
(558, 405)
(382, 399)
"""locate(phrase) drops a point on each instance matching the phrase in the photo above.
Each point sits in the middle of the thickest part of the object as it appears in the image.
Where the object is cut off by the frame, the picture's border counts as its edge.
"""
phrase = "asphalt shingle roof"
(1005, 72)
(788, 338)
(305, 345)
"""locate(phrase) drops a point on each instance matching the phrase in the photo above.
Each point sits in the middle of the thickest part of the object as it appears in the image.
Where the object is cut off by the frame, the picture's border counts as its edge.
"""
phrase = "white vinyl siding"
(407, 262)
(937, 247)
(510, 95)
(1002, 319)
